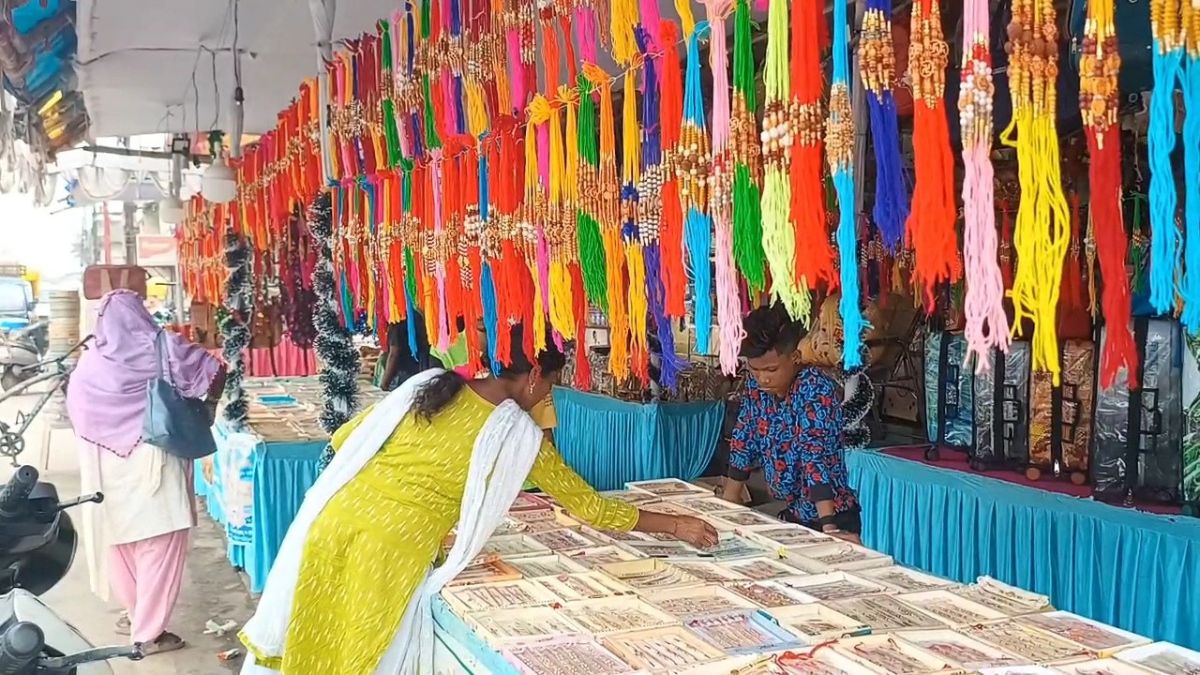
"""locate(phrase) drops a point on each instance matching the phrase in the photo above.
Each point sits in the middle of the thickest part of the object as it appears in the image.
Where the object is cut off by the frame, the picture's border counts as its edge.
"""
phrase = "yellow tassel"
(562, 306)
(477, 117)
(625, 16)
(539, 317)
(636, 264)
(686, 20)
(618, 318)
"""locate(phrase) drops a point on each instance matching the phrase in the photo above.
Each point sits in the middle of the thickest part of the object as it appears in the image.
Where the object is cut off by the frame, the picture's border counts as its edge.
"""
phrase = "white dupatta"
(503, 455)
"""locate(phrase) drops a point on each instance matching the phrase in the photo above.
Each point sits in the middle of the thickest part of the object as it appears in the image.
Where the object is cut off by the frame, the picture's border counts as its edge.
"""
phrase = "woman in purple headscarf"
(137, 539)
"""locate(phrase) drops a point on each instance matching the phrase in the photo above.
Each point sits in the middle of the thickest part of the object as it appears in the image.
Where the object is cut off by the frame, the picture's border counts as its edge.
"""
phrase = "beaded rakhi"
(778, 235)
(1166, 26)
(839, 145)
(986, 325)
(877, 65)
(932, 219)
(1042, 231)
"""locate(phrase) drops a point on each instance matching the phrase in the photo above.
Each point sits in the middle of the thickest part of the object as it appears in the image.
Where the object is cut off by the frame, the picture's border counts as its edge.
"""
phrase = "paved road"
(211, 588)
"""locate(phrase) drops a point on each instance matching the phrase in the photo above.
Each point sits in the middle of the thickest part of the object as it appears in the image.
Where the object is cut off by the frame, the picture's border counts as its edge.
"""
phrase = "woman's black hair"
(439, 392)
(771, 329)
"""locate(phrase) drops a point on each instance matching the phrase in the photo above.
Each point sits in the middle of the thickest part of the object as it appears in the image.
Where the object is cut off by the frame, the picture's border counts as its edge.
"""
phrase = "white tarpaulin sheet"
(146, 66)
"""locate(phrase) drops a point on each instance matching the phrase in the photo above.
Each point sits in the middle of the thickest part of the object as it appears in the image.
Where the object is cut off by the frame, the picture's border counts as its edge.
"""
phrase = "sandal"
(124, 625)
(167, 642)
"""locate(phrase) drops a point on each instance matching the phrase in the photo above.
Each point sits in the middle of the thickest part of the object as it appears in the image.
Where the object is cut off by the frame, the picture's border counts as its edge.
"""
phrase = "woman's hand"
(694, 531)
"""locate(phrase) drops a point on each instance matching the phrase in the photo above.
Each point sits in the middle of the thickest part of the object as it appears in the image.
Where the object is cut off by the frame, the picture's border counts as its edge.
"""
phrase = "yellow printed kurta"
(377, 537)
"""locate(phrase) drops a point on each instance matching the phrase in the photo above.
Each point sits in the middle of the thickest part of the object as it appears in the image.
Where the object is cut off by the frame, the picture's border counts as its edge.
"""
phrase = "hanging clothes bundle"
(1060, 426)
(949, 391)
(1001, 402)
(1138, 436)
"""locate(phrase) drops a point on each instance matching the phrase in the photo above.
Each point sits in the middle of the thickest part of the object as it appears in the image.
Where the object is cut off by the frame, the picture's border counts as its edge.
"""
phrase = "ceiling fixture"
(219, 183)
(170, 209)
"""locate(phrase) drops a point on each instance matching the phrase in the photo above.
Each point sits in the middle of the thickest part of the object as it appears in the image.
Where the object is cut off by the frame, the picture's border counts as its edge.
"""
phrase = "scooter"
(19, 355)
(37, 545)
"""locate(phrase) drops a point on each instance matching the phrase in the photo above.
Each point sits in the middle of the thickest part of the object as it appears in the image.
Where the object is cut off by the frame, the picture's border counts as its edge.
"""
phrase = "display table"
(1132, 569)
(550, 596)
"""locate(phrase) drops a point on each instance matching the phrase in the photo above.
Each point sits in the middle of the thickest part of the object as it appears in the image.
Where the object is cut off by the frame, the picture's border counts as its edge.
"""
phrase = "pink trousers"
(146, 576)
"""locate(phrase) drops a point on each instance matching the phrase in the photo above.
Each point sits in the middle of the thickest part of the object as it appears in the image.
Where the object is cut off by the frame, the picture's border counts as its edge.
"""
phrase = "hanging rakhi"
(1165, 23)
(778, 235)
(674, 279)
(729, 303)
(693, 165)
(1099, 65)
(1190, 78)
(931, 221)
(839, 145)
(986, 326)
(587, 223)
(877, 64)
(559, 230)
(608, 206)
(534, 213)
(1042, 232)
(744, 151)
(635, 264)
(649, 217)
(814, 252)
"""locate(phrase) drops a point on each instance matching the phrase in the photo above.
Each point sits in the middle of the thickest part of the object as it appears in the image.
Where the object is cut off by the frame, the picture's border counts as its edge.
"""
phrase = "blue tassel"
(698, 230)
(490, 316)
(671, 365)
(891, 194)
(698, 226)
(1191, 162)
(843, 184)
(1164, 238)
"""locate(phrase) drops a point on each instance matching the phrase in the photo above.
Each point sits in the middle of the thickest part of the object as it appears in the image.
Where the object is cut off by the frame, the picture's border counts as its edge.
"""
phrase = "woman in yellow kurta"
(375, 539)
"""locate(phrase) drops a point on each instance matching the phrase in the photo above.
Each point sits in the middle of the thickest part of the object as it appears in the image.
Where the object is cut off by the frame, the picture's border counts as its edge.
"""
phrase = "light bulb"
(219, 184)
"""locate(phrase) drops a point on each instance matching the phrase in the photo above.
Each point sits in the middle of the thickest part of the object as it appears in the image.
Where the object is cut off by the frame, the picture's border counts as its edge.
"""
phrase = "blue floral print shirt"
(796, 441)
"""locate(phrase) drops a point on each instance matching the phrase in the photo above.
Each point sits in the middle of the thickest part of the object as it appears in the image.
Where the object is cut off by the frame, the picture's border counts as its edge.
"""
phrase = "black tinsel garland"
(335, 348)
(860, 395)
(239, 301)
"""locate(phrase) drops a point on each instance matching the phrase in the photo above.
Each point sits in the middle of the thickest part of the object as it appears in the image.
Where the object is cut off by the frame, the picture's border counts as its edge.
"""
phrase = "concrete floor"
(211, 588)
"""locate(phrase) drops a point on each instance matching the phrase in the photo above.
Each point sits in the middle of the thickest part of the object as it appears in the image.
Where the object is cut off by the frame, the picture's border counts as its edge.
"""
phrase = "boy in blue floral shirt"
(789, 426)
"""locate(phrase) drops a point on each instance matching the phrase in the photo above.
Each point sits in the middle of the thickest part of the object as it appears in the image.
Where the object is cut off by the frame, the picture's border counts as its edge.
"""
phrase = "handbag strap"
(158, 349)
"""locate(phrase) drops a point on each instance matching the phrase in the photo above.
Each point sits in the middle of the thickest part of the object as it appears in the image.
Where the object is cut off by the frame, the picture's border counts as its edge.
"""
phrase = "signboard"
(156, 250)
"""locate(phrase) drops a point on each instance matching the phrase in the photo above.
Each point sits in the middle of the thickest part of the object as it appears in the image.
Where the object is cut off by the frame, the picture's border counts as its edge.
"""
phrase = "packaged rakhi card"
(1100, 638)
(1163, 658)
(565, 656)
(960, 649)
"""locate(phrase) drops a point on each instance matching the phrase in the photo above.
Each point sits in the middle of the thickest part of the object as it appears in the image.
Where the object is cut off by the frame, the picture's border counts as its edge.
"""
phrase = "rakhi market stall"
(602, 172)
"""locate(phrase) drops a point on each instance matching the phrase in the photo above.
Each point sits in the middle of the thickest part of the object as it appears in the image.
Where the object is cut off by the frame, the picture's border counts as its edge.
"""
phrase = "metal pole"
(176, 187)
(130, 234)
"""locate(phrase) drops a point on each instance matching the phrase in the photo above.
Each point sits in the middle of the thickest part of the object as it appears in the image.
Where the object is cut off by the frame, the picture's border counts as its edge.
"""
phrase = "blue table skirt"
(611, 442)
(279, 475)
(1134, 570)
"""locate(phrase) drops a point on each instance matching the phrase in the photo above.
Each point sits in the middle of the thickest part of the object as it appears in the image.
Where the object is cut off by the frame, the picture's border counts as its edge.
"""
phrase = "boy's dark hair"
(769, 328)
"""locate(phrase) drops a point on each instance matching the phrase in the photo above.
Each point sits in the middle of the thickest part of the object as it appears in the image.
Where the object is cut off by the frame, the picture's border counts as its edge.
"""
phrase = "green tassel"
(747, 209)
(390, 130)
(592, 260)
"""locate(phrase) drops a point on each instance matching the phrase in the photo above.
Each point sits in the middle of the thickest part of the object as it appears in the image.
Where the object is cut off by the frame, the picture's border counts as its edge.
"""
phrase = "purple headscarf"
(106, 397)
